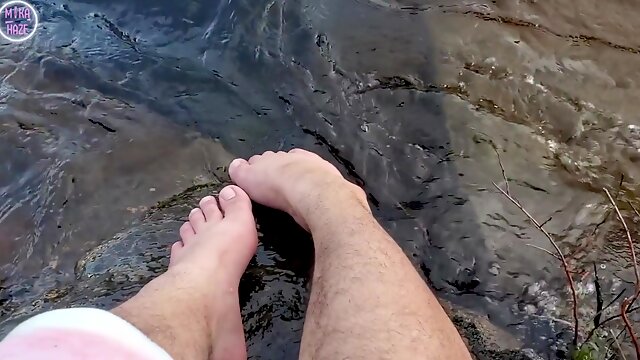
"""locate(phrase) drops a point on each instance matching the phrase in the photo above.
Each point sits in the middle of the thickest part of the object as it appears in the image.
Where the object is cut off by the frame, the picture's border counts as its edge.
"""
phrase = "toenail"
(235, 163)
(193, 210)
(206, 199)
(228, 193)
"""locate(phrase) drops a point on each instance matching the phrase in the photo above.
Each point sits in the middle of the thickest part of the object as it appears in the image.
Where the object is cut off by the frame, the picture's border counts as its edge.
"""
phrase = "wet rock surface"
(485, 341)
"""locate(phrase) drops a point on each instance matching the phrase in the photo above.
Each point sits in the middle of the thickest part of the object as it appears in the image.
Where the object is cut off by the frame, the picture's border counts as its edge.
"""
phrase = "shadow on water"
(116, 106)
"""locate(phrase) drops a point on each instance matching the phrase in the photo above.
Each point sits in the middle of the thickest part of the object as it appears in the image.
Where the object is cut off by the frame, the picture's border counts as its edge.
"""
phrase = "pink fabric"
(66, 345)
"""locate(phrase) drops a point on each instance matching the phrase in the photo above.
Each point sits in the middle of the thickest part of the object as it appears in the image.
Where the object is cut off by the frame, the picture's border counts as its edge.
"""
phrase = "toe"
(235, 203)
(237, 168)
(209, 206)
(175, 249)
(301, 151)
(186, 232)
(197, 220)
(305, 153)
(254, 158)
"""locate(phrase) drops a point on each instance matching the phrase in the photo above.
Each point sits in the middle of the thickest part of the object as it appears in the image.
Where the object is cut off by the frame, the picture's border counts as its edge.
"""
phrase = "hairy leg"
(367, 300)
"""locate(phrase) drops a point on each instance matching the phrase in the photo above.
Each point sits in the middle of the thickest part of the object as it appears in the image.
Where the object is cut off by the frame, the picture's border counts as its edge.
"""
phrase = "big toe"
(238, 170)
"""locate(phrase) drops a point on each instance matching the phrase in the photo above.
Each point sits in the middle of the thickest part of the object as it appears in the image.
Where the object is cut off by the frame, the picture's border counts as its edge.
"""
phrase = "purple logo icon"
(18, 21)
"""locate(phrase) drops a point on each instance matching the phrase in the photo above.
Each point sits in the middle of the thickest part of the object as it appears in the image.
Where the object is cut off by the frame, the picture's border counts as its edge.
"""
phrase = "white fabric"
(95, 321)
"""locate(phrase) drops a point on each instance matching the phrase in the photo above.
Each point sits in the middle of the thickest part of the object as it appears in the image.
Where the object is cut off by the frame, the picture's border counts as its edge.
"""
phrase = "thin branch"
(565, 266)
(599, 301)
(614, 299)
(615, 338)
(637, 214)
(634, 208)
(608, 320)
(545, 250)
(620, 186)
(626, 303)
(632, 250)
(600, 323)
(627, 325)
(615, 341)
(504, 174)
(546, 221)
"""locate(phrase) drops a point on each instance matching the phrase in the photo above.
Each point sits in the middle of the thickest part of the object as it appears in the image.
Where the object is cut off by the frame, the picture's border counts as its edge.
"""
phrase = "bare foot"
(297, 182)
(216, 246)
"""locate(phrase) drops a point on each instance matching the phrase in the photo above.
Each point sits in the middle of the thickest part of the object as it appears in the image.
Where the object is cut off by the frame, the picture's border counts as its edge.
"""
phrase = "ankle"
(333, 204)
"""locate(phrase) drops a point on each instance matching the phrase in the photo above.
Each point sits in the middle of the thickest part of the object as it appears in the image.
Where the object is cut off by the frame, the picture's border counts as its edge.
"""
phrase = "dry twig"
(615, 341)
(603, 322)
(626, 303)
(608, 320)
(599, 300)
(504, 173)
(560, 255)
(545, 250)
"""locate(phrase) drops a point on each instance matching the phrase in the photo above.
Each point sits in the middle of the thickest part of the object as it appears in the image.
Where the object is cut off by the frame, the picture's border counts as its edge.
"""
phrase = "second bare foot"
(297, 182)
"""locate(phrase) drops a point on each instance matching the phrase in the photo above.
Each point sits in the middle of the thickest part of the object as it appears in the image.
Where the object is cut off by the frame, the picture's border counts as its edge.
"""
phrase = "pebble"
(533, 289)
(494, 269)
(530, 309)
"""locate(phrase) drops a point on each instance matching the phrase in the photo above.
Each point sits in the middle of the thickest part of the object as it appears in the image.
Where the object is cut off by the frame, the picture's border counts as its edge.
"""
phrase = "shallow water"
(116, 106)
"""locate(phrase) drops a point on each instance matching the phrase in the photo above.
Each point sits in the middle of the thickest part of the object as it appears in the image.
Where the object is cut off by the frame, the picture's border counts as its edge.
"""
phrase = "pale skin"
(367, 300)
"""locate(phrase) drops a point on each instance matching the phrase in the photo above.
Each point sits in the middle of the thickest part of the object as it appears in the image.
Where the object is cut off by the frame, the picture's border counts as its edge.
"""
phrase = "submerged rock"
(486, 341)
